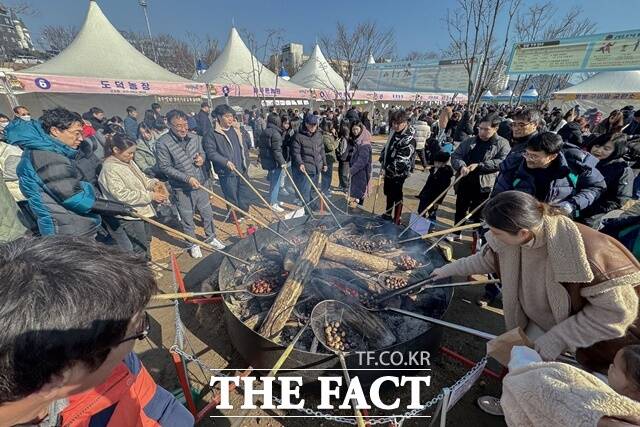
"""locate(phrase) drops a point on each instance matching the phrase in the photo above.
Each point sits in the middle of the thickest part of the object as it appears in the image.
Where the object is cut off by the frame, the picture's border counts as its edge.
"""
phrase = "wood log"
(357, 259)
(294, 285)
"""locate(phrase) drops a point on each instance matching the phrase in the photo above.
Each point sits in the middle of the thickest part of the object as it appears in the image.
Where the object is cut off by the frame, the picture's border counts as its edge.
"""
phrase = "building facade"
(9, 39)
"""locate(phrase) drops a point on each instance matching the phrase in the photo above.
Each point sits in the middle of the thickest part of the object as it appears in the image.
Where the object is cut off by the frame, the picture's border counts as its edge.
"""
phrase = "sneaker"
(450, 238)
(276, 208)
(281, 204)
(217, 244)
(195, 251)
(458, 236)
(386, 217)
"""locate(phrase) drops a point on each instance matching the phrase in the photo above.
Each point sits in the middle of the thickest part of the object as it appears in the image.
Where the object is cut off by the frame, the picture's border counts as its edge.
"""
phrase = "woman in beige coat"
(567, 286)
(123, 181)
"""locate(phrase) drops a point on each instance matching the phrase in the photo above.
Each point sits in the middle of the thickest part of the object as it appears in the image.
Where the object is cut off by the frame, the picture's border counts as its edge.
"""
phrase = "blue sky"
(418, 25)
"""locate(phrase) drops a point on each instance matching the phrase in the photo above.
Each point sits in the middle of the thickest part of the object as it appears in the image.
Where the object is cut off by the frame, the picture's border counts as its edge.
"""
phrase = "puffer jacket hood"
(30, 135)
(274, 119)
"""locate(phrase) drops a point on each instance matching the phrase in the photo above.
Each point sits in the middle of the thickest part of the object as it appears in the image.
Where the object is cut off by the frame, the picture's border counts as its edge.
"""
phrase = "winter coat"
(145, 156)
(220, 150)
(270, 144)
(633, 129)
(360, 165)
(287, 139)
(50, 180)
(352, 115)
(591, 282)
(489, 167)
(95, 123)
(330, 144)
(619, 179)
(203, 123)
(88, 163)
(556, 394)
(423, 133)
(504, 129)
(11, 225)
(175, 159)
(579, 183)
(131, 127)
(399, 153)
(464, 128)
(126, 183)
(307, 149)
(438, 181)
(10, 156)
(150, 118)
(571, 133)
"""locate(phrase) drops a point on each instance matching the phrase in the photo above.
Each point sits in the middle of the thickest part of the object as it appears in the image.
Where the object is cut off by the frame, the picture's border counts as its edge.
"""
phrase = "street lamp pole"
(143, 4)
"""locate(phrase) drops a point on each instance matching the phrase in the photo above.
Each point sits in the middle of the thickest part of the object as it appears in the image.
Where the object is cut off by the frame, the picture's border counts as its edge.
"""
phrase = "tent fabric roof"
(99, 50)
(532, 92)
(371, 60)
(607, 82)
(235, 66)
(316, 73)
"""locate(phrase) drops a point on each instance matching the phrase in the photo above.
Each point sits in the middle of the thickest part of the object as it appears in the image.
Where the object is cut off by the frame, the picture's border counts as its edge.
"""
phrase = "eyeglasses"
(532, 157)
(143, 331)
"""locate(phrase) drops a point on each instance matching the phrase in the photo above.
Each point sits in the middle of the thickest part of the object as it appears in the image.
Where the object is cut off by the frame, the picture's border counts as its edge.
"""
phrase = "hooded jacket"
(360, 165)
(51, 182)
(307, 149)
(423, 133)
(398, 155)
(270, 144)
(579, 181)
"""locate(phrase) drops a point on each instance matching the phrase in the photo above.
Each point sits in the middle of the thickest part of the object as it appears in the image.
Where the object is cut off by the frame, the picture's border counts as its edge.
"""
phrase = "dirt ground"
(207, 339)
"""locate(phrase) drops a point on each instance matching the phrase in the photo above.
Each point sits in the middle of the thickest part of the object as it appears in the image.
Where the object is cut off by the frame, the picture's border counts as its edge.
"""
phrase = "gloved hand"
(111, 208)
(566, 207)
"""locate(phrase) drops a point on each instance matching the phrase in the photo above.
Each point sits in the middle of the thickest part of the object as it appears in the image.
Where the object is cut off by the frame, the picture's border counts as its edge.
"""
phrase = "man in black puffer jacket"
(554, 172)
(272, 158)
(307, 156)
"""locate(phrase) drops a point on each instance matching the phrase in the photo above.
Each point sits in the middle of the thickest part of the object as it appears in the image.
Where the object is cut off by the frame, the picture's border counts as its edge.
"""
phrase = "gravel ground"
(207, 339)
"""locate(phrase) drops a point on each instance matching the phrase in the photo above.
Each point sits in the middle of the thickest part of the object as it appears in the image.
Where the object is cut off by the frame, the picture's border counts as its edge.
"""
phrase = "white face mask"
(26, 118)
(3, 125)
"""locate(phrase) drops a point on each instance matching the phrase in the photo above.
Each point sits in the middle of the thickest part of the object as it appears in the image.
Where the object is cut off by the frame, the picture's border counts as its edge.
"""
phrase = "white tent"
(605, 91)
(487, 95)
(100, 53)
(316, 73)
(530, 93)
(371, 60)
(507, 93)
(236, 65)
(99, 50)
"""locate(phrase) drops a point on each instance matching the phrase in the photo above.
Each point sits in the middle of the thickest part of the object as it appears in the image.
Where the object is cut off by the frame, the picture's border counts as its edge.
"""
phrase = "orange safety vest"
(129, 397)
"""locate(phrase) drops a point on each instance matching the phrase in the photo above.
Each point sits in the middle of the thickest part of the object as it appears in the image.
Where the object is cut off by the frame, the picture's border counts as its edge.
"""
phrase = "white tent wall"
(113, 105)
(605, 91)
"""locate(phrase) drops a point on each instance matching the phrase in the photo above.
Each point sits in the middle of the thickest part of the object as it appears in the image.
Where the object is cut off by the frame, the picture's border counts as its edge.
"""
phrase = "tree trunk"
(294, 285)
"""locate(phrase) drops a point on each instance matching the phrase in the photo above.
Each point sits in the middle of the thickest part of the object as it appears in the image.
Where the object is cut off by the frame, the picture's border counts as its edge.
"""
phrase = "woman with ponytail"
(123, 181)
(566, 285)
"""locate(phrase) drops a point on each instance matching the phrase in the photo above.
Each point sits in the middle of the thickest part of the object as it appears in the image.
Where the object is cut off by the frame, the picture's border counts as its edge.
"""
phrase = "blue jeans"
(275, 179)
(304, 185)
(636, 188)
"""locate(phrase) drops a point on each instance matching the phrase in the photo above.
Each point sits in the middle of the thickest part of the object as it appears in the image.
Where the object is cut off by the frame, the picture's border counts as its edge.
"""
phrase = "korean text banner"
(619, 51)
(64, 84)
(416, 76)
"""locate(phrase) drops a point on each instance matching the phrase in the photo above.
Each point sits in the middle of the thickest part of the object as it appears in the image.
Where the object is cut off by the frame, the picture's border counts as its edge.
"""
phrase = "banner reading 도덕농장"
(619, 51)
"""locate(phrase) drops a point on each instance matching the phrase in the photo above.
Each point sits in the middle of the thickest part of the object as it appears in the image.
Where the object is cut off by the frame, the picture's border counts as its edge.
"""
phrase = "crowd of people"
(543, 181)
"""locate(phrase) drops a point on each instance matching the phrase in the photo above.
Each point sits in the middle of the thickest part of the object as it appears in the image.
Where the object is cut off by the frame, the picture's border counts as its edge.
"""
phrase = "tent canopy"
(605, 91)
(317, 73)
(100, 51)
(236, 65)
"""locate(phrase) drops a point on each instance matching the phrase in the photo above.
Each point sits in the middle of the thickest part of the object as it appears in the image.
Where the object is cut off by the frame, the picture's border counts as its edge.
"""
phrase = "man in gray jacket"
(181, 158)
(478, 159)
